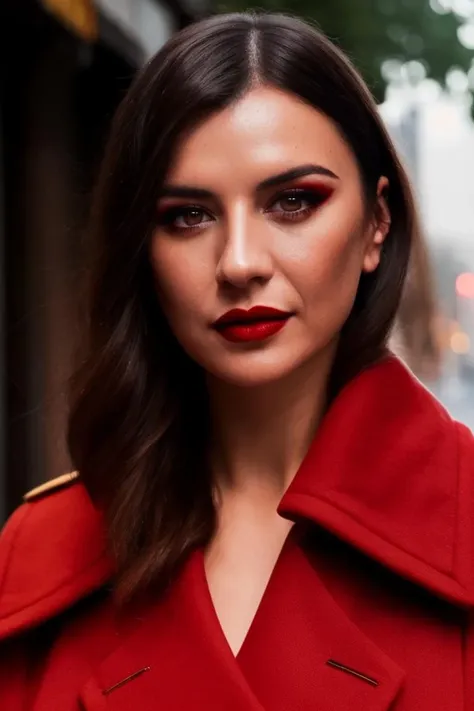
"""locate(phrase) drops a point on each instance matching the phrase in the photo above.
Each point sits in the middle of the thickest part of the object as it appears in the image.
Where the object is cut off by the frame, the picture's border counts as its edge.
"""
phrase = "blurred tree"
(371, 31)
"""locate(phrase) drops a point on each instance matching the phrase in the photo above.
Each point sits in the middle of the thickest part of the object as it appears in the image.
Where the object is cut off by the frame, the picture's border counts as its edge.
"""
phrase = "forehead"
(266, 131)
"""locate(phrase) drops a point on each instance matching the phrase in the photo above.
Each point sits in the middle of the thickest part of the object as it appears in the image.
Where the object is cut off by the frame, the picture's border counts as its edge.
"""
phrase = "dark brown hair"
(138, 423)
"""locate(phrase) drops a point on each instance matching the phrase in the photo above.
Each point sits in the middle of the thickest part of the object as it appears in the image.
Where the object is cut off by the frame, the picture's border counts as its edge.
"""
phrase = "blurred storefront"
(65, 64)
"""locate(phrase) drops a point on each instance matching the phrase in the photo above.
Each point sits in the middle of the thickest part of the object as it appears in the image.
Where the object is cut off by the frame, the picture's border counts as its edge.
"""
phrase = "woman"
(271, 512)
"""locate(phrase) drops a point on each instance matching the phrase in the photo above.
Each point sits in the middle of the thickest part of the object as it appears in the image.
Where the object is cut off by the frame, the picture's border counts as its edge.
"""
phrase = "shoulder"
(465, 441)
(52, 553)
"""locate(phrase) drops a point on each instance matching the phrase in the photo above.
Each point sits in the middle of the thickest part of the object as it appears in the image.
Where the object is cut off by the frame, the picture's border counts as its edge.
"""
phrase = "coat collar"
(392, 474)
(388, 471)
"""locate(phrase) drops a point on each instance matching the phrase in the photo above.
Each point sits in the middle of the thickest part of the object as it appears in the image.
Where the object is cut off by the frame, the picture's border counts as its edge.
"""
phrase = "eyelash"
(314, 198)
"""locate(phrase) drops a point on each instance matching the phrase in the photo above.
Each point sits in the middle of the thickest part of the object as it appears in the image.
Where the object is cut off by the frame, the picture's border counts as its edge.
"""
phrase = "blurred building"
(435, 134)
(64, 66)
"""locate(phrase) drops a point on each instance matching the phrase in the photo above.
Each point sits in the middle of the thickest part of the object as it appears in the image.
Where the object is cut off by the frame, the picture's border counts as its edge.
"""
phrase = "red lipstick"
(260, 322)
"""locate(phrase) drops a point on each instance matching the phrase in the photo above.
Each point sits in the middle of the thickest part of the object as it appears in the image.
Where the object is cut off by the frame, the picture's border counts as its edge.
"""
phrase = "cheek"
(332, 244)
(179, 278)
(328, 271)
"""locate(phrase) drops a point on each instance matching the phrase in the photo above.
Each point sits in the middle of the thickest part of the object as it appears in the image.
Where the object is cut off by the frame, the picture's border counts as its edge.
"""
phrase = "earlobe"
(372, 259)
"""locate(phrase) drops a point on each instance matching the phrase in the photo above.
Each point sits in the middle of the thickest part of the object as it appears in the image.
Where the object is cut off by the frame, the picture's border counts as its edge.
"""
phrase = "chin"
(252, 372)
(259, 366)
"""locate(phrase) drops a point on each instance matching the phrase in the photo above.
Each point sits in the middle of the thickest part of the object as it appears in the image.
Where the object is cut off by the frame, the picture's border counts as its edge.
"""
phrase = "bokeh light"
(460, 343)
(465, 285)
(466, 35)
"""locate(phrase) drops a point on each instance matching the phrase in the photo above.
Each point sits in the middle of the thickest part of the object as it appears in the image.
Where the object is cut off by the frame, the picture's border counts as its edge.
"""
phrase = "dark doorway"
(57, 95)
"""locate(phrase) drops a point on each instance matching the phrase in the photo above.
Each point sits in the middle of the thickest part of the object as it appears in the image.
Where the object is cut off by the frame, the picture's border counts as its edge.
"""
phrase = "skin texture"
(237, 248)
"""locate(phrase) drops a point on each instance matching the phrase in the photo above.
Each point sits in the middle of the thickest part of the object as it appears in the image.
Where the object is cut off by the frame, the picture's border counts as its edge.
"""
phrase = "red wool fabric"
(369, 607)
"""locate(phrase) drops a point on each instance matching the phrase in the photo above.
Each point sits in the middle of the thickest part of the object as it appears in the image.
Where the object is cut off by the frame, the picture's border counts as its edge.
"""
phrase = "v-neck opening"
(291, 539)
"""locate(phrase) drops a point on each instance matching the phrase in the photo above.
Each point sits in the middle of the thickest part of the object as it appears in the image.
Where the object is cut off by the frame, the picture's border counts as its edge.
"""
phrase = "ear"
(379, 228)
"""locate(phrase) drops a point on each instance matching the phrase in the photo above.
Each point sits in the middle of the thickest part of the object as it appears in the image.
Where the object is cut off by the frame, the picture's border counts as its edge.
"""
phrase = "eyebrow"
(188, 191)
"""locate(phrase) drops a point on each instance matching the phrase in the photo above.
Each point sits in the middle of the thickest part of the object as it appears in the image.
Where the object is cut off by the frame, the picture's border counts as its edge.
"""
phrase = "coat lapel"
(301, 650)
(174, 656)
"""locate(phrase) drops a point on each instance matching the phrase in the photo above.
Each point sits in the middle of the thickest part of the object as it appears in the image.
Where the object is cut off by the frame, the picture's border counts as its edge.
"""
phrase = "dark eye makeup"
(298, 203)
(188, 214)
(290, 205)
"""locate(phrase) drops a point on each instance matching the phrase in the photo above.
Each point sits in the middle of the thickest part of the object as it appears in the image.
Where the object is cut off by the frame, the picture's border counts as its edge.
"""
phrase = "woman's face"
(262, 207)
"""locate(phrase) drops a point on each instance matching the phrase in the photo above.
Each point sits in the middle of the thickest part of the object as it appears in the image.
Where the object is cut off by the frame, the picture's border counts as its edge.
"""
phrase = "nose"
(245, 256)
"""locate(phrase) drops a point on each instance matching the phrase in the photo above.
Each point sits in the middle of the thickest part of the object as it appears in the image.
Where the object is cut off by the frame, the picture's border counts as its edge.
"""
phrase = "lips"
(256, 324)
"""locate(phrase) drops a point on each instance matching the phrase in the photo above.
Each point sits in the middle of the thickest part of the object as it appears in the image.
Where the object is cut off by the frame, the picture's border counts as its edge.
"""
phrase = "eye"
(292, 203)
(183, 217)
(297, 203)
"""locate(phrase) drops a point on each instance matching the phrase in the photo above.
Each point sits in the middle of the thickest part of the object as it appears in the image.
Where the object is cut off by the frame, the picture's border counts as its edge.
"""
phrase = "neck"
(261, 434)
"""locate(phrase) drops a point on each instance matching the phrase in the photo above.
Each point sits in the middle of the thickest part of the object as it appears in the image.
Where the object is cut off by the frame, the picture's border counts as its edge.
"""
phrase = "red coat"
(369, 607)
